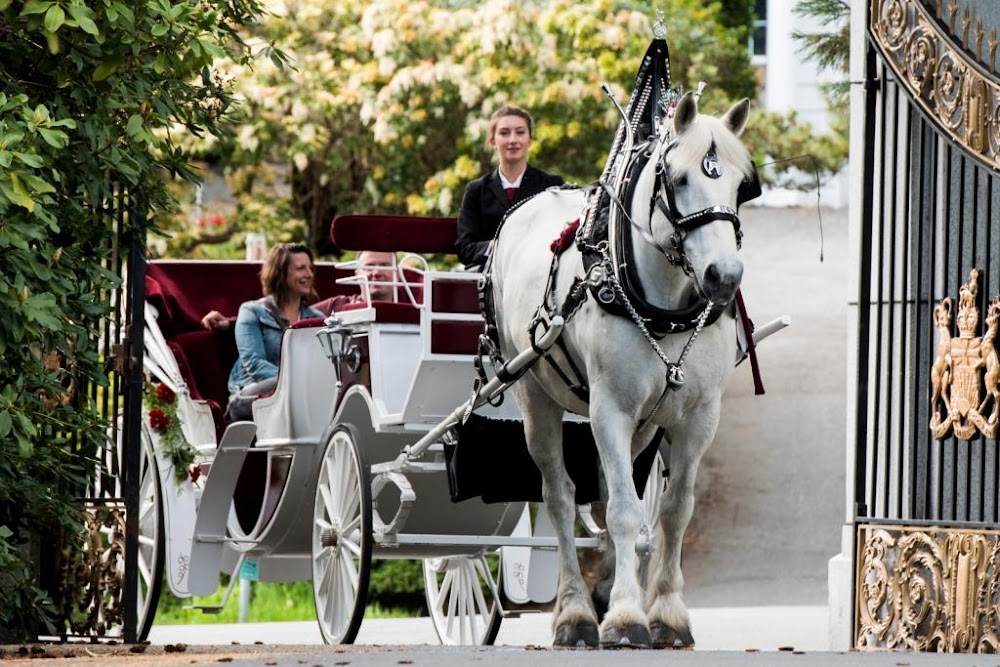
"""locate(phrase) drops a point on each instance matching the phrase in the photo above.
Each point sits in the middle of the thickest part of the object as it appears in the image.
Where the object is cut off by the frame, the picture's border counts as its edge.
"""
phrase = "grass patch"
(269, 602)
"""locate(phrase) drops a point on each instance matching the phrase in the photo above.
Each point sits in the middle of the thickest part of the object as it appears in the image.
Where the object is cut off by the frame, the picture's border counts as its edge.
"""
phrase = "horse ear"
(686, 112)
(736, 118)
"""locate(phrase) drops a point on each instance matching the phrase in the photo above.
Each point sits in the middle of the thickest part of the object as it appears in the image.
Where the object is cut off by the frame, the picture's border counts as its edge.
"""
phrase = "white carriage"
(349, 461)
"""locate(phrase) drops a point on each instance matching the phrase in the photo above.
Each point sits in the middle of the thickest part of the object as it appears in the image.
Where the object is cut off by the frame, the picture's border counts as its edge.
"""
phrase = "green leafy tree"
(830, 49)
(386, 103)
(93, 94)
(737, 13)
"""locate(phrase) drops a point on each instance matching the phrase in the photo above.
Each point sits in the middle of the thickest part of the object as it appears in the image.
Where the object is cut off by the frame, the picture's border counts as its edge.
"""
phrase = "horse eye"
(682, 181)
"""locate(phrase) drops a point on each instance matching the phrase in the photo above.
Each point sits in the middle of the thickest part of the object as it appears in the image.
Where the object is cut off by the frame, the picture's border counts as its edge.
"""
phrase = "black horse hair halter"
(664, 201)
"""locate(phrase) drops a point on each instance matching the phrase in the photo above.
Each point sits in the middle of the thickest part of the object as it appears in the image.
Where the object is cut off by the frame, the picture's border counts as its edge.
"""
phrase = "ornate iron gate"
(99, 596)
(927, 470)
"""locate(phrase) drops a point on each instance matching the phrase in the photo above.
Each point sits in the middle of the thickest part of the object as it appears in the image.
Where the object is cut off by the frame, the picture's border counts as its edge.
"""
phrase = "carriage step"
(217, 609)
(213, 512)
(205, 609)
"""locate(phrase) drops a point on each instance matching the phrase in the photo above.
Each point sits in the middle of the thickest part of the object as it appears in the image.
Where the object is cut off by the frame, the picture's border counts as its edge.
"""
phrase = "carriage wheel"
(342, 538)
(651, 496)
(460, 599)
(151, 539)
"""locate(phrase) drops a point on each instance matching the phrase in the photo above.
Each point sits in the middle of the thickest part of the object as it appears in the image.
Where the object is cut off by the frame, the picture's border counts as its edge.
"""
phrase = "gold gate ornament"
(958, 402)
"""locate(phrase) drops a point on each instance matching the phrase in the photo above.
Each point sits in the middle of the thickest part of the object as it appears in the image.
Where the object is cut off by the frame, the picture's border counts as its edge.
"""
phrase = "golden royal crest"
(957, 400)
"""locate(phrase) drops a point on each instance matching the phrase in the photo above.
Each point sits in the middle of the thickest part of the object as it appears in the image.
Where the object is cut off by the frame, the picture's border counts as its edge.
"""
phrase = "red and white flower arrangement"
(162, 404)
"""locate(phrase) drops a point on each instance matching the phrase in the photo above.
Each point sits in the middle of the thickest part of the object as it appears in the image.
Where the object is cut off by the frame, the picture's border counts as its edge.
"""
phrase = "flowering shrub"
(162, 403)
(386, 108)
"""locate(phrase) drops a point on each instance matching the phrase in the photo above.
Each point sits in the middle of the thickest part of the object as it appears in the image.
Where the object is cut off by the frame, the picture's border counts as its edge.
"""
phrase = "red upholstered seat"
(184, 290)
(455, 337)
(308, 323)
(213, 354)
(455, 296)
(394, 233)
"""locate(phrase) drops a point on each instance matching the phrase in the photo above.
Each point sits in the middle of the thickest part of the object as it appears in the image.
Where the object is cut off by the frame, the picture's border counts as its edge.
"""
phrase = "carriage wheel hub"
(329, 537)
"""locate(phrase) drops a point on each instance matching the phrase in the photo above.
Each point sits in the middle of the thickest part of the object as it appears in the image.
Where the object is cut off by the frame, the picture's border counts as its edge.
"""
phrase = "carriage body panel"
(416, 366)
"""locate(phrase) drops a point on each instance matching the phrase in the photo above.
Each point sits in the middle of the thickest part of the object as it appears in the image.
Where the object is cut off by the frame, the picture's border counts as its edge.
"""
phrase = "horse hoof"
(578, 635)
(630, 636)
(666, 637)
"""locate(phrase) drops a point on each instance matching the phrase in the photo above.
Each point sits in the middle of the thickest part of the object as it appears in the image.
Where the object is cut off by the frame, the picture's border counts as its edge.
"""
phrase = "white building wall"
(792, 83)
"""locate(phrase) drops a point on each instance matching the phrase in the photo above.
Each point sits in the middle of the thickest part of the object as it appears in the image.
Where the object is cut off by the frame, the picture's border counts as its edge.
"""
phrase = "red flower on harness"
(158, 420)
(565, 240)
(196, 472)
(165, 394)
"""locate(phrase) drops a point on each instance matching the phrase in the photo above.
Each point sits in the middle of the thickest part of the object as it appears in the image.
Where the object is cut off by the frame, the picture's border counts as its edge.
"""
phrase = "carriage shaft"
(487, 541)
(511, 368)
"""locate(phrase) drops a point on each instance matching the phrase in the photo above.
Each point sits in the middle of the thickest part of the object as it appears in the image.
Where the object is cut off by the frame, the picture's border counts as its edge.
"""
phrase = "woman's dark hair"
(511, 110)
(274, 273)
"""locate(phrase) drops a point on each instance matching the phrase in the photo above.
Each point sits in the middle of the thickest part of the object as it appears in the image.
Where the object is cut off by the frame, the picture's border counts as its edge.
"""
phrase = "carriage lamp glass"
(336, 341)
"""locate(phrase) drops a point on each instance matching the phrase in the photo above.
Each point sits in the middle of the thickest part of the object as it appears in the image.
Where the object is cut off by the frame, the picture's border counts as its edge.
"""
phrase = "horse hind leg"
(574, 621)
(606, 568)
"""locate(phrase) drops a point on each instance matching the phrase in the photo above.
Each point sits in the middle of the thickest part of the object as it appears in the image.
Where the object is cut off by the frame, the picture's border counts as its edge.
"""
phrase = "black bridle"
(663, 200)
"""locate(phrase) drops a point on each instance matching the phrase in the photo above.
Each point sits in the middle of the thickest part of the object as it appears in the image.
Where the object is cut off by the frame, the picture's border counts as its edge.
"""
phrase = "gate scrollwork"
(928, 590)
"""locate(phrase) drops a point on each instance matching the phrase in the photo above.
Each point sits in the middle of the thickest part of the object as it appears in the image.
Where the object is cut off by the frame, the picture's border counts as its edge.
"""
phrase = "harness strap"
(758, 384)
(579, 388)
(703, 217)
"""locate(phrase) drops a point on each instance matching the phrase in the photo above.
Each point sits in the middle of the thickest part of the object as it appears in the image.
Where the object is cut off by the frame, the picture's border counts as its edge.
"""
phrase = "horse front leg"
(625, 622)
(669, 621)
(574, 622)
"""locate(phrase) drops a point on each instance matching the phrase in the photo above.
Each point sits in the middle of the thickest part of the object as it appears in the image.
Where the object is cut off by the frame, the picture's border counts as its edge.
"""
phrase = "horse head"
(703, 171)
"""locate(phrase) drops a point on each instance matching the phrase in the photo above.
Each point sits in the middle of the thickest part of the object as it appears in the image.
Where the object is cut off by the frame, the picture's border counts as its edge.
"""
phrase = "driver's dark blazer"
(483, 206)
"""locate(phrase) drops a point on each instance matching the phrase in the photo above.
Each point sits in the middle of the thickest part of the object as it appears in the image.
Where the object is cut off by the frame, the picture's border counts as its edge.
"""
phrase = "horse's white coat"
(626, 377)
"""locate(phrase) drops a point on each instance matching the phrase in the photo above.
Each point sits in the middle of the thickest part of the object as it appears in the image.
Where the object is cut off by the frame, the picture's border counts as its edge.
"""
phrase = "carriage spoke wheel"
(151, 539)
(651, 496)
(459, 597)
(342, 538)
(151, 556)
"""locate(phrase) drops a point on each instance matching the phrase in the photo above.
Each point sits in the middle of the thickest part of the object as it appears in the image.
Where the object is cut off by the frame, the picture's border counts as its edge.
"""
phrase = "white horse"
(684, 247)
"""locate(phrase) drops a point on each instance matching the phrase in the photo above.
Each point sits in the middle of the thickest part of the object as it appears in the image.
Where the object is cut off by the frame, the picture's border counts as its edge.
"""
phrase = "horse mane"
(690, 147)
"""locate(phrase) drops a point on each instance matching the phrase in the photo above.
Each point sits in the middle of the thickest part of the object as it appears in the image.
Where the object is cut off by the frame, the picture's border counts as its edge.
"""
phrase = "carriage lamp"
(336, 341)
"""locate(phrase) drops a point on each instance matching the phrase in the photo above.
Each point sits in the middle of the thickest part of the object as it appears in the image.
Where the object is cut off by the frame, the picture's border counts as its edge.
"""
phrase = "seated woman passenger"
(287, 282)
(377, 267)
(487, 198)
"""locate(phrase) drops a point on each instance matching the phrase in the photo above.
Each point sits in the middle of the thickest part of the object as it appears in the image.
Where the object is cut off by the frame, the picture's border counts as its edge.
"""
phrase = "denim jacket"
(258, 340)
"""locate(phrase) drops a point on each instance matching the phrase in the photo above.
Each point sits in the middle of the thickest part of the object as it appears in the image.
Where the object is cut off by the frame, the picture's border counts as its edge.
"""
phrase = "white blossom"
(444, 200)
(247, 139)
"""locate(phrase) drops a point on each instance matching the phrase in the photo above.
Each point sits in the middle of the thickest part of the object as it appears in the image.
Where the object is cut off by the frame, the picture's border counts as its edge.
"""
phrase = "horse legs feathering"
(680, 239)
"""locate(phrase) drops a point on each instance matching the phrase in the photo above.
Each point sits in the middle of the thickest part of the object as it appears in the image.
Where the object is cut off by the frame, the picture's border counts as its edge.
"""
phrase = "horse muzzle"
(719, 280)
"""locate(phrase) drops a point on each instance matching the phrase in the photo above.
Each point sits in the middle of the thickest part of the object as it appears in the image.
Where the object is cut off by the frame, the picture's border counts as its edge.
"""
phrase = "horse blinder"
(749, 188)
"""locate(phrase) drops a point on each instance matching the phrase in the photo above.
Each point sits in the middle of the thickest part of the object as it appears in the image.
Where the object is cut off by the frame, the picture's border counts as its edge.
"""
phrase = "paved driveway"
(771, 488)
